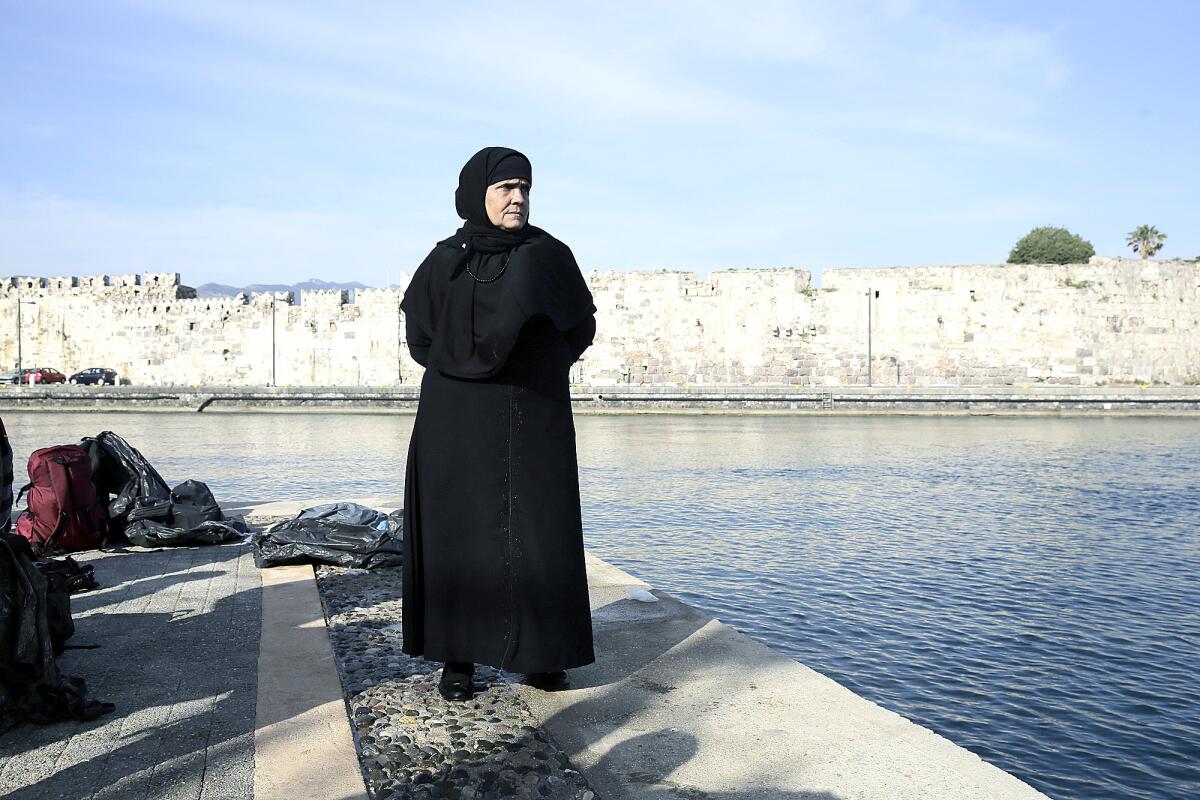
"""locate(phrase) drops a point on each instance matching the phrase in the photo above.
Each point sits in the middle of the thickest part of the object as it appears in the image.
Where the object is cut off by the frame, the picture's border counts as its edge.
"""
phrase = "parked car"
(34, 375)
(100, 375)
(47, 375)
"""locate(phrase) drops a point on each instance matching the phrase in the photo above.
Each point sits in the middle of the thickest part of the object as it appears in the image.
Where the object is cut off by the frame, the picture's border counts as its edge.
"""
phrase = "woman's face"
(507, 204)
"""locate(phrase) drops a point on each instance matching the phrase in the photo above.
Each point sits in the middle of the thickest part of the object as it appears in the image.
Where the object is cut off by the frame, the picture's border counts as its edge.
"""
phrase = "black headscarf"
(490, 165)
(473, 293)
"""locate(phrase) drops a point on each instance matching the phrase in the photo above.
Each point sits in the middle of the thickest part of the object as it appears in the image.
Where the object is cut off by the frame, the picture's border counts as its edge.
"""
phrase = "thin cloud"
(621, 63)
(45, 234)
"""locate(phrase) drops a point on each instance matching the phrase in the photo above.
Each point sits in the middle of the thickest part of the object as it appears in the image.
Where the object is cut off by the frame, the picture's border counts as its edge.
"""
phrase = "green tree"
(1145, 240)
(1051, 245)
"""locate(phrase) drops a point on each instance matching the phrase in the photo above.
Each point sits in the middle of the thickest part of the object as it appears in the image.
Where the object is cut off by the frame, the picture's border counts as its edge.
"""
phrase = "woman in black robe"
(493, 541)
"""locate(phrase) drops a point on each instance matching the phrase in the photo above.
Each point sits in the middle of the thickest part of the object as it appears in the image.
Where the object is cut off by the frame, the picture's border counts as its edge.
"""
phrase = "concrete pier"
(678, 704)
(226, 687)
(1037, 399)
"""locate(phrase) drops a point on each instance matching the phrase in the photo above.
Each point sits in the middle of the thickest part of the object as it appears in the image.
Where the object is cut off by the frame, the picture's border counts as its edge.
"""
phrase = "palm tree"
(1145, 240)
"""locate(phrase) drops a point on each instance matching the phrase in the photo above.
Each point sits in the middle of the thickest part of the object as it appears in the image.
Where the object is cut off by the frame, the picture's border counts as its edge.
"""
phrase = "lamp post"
(870, 362)
(273, 298)
(399, 340)
(20, 361)
(19, 364)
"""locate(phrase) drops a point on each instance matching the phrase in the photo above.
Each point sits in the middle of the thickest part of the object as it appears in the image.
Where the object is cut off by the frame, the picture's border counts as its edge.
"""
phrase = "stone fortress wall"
(1111, 321)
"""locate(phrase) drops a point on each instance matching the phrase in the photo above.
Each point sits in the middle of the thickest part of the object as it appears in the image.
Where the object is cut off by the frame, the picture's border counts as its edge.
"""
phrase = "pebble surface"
(413, 744)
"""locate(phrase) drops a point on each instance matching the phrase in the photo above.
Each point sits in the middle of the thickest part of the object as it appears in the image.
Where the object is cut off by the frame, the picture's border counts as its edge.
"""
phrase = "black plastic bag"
(144, 510)
(342, 534)
(192, 504)
(189, 516)
(149, 533)
(119, 469)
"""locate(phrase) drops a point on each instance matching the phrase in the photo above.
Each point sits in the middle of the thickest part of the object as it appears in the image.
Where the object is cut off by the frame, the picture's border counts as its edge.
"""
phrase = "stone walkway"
(177, 631)
(414, 744)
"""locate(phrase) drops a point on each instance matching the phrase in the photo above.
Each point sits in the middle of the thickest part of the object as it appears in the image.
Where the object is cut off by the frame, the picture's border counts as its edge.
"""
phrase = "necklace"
(503, 267)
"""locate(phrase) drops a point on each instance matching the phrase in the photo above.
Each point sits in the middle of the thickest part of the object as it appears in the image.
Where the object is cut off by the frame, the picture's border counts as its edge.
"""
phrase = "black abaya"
(493, 543)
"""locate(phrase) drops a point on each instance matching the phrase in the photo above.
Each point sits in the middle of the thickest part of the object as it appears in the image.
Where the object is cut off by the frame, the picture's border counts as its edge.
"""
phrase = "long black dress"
(493, 543)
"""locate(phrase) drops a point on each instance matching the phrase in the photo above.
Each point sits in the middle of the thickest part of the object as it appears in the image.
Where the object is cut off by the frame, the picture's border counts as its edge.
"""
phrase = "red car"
(42, 375)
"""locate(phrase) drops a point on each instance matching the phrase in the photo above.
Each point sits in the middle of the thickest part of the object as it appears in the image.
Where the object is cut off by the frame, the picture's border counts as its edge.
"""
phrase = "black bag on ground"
(189, 516)
(342, 534)
(31, 686)
(144, 510)
(118, 469)
(192, 503)
(75, 577)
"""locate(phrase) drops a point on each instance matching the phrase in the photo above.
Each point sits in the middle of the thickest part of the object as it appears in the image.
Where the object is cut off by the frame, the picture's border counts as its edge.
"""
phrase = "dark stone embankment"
(832, 400)
(411, 742)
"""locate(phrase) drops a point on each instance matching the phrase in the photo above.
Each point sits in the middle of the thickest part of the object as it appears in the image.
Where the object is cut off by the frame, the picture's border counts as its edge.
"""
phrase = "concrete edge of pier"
(1033, 399)
(678, 704)
(303, 747)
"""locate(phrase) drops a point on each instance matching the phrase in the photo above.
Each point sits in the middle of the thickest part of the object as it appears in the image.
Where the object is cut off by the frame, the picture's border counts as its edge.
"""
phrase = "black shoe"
(457, 681)
(548, 681)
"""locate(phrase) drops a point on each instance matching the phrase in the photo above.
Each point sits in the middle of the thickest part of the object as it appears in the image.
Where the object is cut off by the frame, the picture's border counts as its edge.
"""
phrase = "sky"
(272, 142)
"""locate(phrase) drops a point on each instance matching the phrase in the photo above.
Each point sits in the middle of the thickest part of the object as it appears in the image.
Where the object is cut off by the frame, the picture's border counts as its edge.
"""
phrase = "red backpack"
(63, 513)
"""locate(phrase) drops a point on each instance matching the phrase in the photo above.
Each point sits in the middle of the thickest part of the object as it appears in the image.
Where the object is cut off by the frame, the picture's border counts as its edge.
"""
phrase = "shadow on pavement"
(662, 752)
(645, 651)
(178, 656)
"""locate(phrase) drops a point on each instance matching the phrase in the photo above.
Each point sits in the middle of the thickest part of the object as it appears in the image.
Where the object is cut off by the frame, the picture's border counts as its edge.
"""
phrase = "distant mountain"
(223, 290)
(216, 290)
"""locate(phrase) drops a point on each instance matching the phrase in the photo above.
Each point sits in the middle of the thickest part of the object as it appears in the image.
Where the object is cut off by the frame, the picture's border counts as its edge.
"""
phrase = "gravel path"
(411, 742)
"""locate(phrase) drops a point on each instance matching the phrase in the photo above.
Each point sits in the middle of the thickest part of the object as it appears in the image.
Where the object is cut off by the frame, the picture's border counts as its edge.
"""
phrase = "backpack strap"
(63, 516)
(21, 494)
(47, 546)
